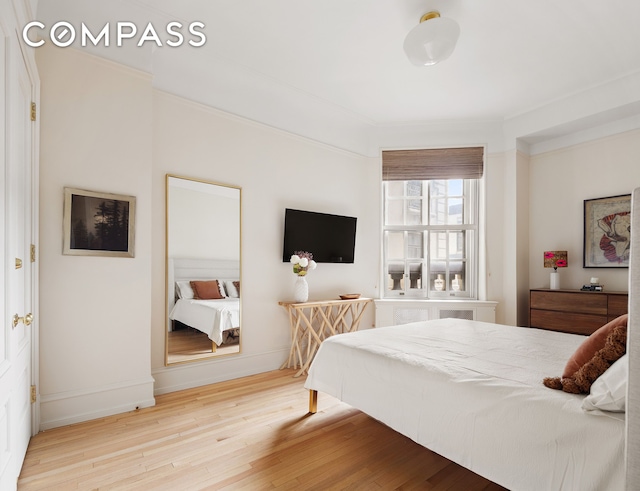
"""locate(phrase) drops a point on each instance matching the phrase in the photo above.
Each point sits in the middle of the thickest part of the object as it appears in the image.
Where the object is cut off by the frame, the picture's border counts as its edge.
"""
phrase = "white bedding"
(472, 392)
(212, 317)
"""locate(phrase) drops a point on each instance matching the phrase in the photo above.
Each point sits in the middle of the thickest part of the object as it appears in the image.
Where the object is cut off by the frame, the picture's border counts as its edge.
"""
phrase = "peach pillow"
(591, 345)
(206, 290)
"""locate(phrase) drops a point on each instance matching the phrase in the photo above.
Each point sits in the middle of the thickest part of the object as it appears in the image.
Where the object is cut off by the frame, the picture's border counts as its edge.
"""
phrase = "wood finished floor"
(247, 434)
(190, 344)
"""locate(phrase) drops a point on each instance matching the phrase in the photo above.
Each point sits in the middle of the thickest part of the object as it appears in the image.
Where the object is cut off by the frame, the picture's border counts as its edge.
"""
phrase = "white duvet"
(212, 317)
(472, 392)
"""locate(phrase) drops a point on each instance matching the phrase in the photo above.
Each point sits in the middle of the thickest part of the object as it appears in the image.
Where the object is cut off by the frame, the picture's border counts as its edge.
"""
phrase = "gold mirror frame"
(188, 257)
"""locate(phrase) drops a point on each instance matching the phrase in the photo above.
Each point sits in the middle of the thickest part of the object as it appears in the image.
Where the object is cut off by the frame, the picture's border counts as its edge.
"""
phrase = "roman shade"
(433, 163)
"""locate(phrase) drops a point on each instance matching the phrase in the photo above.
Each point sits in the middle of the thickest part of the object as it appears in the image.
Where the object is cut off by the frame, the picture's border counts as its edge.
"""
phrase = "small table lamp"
(555, 260)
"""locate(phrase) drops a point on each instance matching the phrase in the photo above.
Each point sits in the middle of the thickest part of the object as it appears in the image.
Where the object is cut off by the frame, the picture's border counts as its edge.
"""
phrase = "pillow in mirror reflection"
(184, 290)
(232, 288)
(207, 290)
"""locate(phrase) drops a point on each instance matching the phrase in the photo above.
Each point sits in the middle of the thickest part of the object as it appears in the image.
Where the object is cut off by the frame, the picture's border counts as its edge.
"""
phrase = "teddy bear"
(580, 382)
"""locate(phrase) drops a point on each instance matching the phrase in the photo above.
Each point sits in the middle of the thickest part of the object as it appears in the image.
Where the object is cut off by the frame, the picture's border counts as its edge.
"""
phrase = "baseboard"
(190, 375)
(71, 407)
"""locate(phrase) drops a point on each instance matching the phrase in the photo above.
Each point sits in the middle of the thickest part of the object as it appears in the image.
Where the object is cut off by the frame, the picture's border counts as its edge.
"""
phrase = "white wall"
(496, 232)
(102, 319)
(105, 129)
(507, 235)
(203, 225)
(559, 182)
(276, 170)
(522, 233)
(95, 121)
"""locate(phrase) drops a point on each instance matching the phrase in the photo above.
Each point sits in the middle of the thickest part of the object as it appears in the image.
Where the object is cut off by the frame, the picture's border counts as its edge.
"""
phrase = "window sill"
(445, 300)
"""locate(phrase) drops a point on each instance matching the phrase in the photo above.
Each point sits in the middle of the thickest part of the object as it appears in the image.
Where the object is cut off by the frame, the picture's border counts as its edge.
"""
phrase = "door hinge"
(33, 394)
(33, 253)
(33, 111)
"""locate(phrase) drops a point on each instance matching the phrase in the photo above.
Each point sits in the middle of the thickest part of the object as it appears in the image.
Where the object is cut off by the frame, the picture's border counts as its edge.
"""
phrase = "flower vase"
(301, 290)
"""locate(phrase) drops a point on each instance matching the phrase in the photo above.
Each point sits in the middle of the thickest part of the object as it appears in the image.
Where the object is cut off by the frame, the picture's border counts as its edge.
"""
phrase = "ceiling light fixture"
(431, 41)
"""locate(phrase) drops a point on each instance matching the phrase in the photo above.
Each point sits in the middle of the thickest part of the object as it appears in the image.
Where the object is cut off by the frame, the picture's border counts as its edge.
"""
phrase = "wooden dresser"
(574, 311)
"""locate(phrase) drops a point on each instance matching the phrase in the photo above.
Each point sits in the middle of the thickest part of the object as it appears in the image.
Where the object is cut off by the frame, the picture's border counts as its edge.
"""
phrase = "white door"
(15, 347)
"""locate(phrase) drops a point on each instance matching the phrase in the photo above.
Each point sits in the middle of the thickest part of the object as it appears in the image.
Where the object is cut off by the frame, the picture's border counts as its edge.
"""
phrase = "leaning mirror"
(202, 270)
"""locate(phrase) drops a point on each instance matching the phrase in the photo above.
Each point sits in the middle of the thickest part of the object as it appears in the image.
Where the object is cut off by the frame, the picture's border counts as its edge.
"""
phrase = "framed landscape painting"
(98, 224)
(607, 232)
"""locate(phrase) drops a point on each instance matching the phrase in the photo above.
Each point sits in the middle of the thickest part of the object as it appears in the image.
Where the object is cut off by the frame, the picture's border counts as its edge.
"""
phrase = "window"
(430, 231)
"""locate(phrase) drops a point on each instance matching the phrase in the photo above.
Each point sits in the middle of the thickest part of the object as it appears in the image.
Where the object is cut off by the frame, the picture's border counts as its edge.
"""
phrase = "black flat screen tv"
(330, 238)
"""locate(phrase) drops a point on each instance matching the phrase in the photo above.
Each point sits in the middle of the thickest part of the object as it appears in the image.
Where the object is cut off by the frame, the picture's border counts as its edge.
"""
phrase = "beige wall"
(105, 128)
(523, 250)
(507, 235)
(94, 311)
(496, 227)
(559, 182)
(203, 224)
(276, 170)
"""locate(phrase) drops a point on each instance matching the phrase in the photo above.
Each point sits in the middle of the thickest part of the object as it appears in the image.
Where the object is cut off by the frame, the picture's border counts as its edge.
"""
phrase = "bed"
(472, 392)
(218, 318)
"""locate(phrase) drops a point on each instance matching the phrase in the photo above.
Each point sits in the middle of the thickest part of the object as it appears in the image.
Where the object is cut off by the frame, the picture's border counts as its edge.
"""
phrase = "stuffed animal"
(580, 382)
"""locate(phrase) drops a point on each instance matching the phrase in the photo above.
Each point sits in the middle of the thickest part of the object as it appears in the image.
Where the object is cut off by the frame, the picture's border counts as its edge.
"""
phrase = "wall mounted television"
(330, 238)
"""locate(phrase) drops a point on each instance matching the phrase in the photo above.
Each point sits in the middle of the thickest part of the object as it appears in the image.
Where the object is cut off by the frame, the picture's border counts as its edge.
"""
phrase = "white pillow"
(609, 391)
(184, 290)
(221, 288)
(232, 291)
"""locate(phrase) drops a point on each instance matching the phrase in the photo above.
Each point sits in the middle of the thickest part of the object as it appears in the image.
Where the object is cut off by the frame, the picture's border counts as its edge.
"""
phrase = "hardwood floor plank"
(251, 433)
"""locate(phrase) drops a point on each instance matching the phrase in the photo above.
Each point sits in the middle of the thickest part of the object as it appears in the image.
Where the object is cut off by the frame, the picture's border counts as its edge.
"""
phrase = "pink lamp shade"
(555, 259)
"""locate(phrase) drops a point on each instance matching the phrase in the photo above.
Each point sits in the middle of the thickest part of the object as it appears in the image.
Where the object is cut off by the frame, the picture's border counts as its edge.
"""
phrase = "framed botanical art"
(98, 224)
(607, 230)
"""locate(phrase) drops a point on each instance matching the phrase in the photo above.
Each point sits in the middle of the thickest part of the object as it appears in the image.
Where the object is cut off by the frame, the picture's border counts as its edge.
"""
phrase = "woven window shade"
(436, 163)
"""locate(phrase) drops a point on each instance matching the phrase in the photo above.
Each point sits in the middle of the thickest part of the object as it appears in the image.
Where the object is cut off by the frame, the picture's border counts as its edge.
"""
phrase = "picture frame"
(98, 224)
(607, 229)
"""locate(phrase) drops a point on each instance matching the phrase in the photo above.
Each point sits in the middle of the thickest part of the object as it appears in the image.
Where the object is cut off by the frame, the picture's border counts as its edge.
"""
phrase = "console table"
(313, 322)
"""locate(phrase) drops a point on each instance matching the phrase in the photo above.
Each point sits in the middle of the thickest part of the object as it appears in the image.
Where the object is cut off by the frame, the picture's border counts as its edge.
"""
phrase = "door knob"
(26, 320)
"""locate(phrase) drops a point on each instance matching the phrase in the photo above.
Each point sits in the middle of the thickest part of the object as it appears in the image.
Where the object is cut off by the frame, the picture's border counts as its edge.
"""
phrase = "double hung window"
(430, 225)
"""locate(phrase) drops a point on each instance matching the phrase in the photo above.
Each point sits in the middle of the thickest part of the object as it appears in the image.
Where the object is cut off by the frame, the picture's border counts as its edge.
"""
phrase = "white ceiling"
(273, 60)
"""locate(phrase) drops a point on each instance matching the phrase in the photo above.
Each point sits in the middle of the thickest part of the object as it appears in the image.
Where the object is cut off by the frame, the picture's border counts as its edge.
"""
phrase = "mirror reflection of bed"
(204, 315)
(202, 270)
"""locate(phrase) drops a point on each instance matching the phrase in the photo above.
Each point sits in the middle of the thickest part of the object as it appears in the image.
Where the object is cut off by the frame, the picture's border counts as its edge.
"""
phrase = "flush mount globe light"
(431, 41)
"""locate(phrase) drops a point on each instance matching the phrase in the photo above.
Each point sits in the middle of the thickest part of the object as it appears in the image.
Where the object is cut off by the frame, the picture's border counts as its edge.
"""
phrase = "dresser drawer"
(567, 321)
(618, 305)
(584, 303)
(575, 311)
